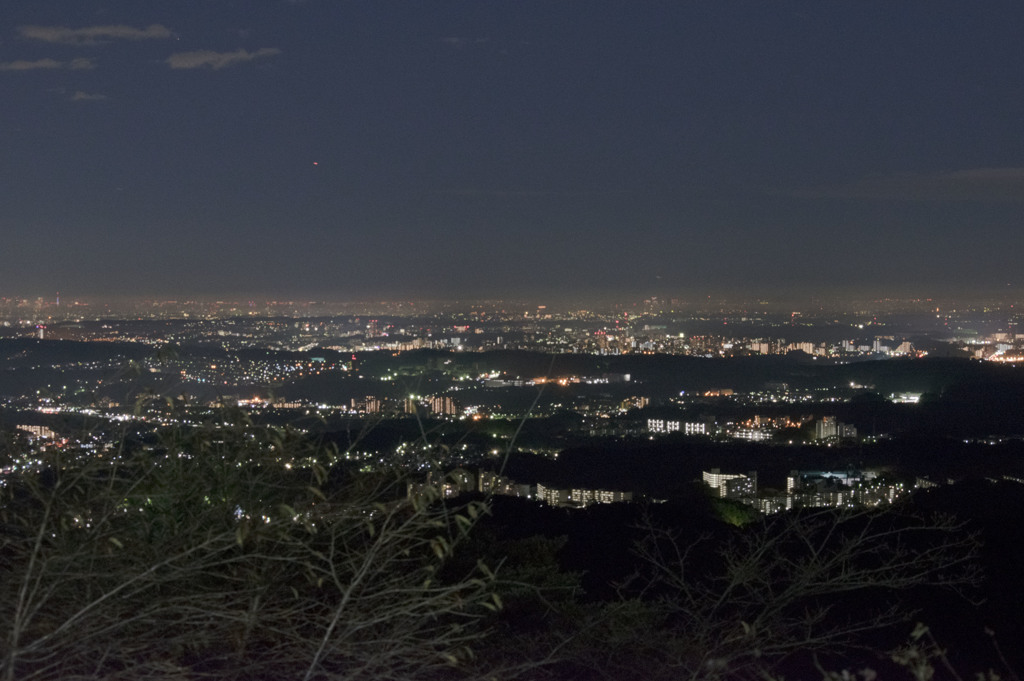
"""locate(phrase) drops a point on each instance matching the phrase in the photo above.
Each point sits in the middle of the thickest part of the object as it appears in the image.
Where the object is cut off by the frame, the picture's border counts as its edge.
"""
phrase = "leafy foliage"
(796, 584)
(211, 559)
(237, 552)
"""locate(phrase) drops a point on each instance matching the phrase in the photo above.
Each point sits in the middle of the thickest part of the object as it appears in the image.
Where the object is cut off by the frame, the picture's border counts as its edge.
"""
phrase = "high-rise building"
(827, 427)
(731, 485)
(440, 404)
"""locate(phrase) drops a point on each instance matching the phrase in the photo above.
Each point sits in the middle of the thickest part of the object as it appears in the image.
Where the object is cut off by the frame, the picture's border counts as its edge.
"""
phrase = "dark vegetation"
(210, 557)
(243, 550)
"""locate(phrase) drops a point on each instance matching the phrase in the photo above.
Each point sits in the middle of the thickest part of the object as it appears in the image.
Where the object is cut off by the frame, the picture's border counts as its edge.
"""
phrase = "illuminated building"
(580, 498)
(828, 428)
(695, 428)
(731, 485)
(443, 405)
(753, 434)
(661, 426)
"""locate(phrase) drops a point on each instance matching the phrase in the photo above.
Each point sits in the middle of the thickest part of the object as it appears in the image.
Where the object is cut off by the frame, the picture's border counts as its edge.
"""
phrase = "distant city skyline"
(529, 150)
(65, 307)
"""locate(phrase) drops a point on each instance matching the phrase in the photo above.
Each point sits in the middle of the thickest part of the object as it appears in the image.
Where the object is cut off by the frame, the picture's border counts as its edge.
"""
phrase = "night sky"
(343, 150)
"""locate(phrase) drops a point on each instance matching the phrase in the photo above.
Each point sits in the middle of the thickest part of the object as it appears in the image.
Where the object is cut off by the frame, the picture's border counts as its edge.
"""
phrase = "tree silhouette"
(226, 553)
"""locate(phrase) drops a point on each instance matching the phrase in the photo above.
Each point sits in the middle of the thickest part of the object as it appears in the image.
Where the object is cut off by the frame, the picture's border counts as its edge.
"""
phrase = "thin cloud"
(93, 35)
(522, 193)
(47, 64)
(455, 41)
(975, 184)
(23, 65)
(80, 96)
(216, 60)
(485, 45)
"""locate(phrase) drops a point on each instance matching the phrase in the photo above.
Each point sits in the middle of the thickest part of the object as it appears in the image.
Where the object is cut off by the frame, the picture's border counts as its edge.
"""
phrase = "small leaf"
(439, 546)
